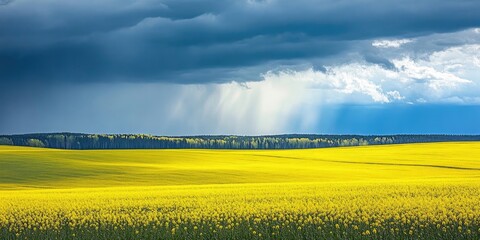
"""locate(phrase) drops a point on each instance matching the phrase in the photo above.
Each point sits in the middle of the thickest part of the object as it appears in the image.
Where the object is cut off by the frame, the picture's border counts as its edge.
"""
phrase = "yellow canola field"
(425, 210)
(27, 168)
(416, 191)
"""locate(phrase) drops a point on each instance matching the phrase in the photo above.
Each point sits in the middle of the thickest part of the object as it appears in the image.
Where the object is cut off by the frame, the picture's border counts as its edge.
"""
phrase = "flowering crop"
(424, 191)
(425, 210)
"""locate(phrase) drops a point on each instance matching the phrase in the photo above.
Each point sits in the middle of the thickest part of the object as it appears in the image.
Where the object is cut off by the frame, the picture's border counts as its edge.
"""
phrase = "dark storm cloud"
(200, 41)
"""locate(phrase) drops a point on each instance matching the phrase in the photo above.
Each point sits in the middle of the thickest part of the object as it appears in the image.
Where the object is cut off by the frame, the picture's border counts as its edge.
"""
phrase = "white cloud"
(344, 80)
(390, 43)
(395, 95)
(428, 73)
(453, 72)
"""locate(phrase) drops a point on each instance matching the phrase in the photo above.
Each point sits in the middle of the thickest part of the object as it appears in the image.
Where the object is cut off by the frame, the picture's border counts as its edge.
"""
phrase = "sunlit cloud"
(390, 43)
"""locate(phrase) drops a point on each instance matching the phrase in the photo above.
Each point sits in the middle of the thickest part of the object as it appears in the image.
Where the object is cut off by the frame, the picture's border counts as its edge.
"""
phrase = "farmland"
(410, 191)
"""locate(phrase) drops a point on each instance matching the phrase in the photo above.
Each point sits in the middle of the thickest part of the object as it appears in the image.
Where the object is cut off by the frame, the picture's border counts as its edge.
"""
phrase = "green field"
(411, 191)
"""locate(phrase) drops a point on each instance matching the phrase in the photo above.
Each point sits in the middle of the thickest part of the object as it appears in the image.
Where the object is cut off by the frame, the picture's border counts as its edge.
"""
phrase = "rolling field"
(411, 191)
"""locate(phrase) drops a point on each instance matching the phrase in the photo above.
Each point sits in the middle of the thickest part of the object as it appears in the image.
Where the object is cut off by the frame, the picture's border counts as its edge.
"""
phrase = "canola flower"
(351, 210)
(410, 191)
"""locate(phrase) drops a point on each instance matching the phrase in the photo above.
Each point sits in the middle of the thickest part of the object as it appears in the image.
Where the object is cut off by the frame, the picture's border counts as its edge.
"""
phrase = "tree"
(6, 141)
(35, 143)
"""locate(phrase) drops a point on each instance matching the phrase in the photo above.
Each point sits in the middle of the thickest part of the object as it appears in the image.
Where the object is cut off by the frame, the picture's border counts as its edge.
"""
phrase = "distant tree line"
(290, 141)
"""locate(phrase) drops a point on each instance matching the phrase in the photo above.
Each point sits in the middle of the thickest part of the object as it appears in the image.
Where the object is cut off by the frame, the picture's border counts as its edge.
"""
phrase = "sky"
(245, 67)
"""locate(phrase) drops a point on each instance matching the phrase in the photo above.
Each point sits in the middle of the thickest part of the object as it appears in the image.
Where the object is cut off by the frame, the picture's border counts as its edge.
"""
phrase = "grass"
(409, 191)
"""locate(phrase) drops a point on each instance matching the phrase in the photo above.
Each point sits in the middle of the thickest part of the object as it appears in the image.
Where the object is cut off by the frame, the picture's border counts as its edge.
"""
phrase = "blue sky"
(240, 67)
